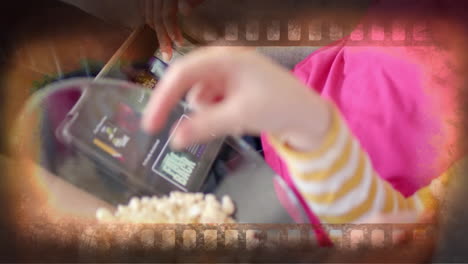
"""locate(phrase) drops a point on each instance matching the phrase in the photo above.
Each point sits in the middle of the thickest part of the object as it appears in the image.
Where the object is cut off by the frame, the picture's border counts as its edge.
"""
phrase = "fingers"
(203, 95)
(152, 10)
(169, 15)
(165, 44)
(195, 96)
(200, 67)
(204, 125)
(161, 15)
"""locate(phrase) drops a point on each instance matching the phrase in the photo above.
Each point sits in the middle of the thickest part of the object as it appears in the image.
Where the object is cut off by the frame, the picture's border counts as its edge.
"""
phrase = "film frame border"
(277, 31)
(147, 241)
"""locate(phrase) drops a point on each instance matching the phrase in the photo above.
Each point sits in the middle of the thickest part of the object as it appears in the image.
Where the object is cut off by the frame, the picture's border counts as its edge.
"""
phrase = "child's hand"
(238, 92)
(161, 15)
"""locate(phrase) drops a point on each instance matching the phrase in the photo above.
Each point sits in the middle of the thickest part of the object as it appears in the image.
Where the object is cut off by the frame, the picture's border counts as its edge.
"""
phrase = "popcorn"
(104, 214)
(134, 204)
(178, 207)
(182, 208)
(228, 205)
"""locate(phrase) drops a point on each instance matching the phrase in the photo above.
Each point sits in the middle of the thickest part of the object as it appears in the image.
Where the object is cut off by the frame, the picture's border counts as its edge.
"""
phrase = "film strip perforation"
(283, 234)
(276, 31)
(225, 237)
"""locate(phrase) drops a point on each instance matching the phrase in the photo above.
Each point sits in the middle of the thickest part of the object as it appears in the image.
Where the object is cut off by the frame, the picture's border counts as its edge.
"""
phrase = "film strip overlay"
(287, 243)
(287, 32)
(253, 236)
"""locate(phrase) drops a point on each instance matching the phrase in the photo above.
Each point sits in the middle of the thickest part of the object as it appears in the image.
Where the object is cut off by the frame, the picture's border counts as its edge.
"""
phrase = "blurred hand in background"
(162, 16)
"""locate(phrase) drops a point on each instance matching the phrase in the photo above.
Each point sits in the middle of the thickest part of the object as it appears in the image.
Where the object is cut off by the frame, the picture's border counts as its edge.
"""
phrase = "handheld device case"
(104, 125)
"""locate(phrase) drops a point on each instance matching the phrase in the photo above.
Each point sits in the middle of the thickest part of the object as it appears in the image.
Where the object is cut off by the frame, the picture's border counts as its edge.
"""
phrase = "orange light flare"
(42, 203)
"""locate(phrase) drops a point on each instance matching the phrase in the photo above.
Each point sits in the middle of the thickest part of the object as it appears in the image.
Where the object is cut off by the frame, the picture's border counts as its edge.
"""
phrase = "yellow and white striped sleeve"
(338, 181)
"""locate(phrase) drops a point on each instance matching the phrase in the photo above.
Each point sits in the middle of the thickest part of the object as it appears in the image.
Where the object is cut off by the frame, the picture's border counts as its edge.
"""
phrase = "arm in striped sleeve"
(338, 181)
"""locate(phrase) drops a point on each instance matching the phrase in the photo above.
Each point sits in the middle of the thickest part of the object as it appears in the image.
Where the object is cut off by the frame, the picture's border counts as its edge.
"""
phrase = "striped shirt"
(339, 184)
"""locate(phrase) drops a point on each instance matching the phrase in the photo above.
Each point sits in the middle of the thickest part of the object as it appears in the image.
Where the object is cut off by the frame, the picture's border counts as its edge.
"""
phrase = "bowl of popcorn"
(182, 208)
(177, 208)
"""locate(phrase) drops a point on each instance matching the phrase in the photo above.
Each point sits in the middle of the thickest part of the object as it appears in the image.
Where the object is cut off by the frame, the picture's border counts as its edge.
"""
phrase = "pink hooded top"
(396, 100)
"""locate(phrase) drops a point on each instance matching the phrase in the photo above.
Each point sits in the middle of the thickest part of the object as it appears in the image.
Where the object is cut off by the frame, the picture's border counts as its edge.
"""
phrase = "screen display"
(177, 167)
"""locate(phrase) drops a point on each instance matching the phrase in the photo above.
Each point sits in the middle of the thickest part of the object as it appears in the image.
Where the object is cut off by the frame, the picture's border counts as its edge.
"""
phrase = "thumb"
(203, 126)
